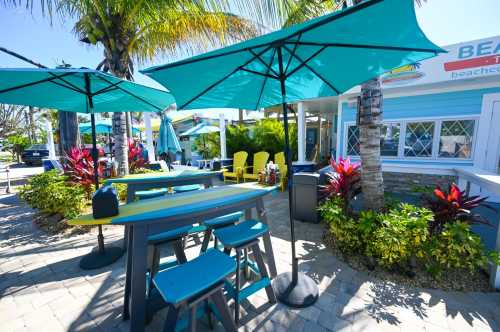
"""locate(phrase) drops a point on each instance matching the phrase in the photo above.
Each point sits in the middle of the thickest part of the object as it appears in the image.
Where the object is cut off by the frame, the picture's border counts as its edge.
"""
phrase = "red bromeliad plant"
(78, 165)
(135, 156)
(453, 205)
(344, 181)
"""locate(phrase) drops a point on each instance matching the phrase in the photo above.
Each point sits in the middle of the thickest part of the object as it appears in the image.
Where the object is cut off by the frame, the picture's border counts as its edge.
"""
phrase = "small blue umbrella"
(101, 127)
(200, 129)
(167, 140)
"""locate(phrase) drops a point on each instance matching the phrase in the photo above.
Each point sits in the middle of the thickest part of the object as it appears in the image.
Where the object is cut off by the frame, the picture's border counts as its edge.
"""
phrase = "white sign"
(479, 58)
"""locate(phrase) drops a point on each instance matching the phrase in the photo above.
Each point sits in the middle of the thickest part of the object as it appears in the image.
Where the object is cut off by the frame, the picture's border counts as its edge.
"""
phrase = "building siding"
(449, 104)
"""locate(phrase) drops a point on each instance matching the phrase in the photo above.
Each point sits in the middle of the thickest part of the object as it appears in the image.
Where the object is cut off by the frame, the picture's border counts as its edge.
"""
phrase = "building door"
(492, 161)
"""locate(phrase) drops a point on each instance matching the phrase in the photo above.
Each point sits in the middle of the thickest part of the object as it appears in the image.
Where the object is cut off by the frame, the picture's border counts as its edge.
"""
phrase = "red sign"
(472, 63)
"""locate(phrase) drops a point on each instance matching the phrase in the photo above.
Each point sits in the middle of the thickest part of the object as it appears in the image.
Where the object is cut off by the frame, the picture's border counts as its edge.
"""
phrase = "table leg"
(261, 215)
(138, 252)
(128, 270)
(248, 214)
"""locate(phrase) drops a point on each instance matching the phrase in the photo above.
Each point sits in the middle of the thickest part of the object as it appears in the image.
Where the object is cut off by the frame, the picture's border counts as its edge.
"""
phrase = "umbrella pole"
(102, 257)
(293, 289)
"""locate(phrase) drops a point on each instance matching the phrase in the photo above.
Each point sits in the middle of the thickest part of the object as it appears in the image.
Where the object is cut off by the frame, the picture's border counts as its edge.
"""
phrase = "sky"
(445, 22)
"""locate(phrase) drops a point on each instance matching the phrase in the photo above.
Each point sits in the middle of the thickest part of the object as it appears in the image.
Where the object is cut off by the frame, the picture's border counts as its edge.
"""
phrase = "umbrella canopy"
(78, 90)
(101, 127)
(167, 141)
(199, 129)
(322, 57)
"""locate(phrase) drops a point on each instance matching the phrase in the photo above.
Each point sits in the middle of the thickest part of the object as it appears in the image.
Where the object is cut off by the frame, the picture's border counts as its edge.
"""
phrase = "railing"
(489, 182)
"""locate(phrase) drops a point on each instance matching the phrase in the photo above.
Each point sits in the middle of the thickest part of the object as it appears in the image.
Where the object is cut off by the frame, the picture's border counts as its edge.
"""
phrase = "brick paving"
(42, 288)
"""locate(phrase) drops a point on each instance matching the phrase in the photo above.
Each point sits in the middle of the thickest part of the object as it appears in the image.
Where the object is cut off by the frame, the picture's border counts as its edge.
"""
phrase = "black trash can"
(305, 197)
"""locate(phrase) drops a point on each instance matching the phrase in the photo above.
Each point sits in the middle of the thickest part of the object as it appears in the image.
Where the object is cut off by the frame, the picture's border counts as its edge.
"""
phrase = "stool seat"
(223, 220)
(145, 194)
(239, 234)
(184, 281)
(187, 188)
(170, 235)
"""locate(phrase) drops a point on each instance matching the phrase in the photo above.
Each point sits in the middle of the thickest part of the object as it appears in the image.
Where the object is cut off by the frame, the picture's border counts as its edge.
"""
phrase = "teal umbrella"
(83, 91)
(101, 127)
(200, 129)
(167, 140)
(323, 57)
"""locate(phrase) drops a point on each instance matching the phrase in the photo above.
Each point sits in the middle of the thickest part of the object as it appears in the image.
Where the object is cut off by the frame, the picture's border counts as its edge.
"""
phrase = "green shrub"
(344, 228)
(52, 194)
(457, 247)
(402, 234)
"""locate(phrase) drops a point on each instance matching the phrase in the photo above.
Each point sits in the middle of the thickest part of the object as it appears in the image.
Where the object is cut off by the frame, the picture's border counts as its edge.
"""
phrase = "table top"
(161, 176)
(179, 204)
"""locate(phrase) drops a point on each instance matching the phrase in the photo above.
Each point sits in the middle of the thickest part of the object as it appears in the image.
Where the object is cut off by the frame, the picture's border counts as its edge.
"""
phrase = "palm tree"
(138, 30)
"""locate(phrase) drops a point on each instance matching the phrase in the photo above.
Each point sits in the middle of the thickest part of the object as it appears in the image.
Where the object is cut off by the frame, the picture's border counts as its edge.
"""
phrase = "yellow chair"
(239, 162)
(259, 164)
(279, 159)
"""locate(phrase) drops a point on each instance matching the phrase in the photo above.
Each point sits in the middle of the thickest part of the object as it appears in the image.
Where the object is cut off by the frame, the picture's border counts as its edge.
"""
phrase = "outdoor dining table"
(149, 217)
(147, 181)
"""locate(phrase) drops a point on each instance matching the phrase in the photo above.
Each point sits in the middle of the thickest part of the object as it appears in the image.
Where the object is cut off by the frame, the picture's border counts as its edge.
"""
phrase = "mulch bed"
(452, 280)
(56, 224)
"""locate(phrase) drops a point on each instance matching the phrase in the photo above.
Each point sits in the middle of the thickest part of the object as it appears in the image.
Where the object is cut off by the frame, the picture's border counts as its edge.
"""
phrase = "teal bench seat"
(237, 235)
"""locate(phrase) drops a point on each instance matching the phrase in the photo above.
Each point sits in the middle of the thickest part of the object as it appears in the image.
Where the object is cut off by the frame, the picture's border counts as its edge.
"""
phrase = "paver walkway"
(42, 288)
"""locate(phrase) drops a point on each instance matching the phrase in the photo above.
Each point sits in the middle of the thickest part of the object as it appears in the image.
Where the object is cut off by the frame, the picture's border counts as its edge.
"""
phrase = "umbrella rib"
(264, 63)
(259, 73)
(71, 85)
(107, 89)
(376, 47)
(294, 50)
(302, 64)
(332, 18)
(32, 83)
(314, 72)
(265, 81)
(211, 86)
(131, 94)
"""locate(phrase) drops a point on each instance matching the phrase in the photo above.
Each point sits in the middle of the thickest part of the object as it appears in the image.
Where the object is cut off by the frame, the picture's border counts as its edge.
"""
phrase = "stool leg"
(171, 321)
(225, 316)
(237, 289)
(192, 318)
(263, 271)
(206, 240)
(216, 242)
(246, 269)
(208, 312)
(155, 266)
(179, 251)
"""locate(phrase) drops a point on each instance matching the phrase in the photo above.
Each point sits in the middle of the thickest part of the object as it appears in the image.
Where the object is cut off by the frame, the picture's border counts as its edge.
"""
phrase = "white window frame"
(436, 137)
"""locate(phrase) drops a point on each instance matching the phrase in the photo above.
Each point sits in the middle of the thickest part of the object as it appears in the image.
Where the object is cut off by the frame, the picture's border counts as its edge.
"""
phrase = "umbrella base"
(97, 259)
(303, 294)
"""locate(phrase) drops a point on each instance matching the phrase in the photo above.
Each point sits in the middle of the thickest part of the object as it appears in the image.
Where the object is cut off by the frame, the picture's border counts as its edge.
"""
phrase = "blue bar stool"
(242, 237)
(184, 287)
(216, 223)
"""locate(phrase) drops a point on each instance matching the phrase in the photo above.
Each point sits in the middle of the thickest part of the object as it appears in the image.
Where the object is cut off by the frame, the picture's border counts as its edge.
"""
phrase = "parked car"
(34, 154)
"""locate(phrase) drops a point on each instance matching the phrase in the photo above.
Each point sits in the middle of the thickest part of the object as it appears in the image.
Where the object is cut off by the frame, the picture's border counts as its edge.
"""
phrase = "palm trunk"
(69, 132)
(31, 118)
(121, 146)
(370, 121)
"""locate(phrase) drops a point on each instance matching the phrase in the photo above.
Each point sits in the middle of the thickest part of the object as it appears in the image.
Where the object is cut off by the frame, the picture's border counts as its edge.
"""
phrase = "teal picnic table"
(162, 214)
(148, 181)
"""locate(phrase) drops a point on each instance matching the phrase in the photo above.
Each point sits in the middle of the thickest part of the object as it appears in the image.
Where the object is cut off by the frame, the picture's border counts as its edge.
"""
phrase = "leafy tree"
(137, 31)
(11, 119)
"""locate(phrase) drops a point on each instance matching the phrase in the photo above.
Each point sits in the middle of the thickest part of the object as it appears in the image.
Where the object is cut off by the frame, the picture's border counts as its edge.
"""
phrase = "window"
(456, 139)
(419, 139)
(389, 139)
(436, 139)
(352, 141)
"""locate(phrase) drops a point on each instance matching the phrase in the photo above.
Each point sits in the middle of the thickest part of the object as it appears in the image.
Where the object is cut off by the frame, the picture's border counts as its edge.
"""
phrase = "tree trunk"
(370, 121)
(121, 145)
(32, 129)
(69, 133)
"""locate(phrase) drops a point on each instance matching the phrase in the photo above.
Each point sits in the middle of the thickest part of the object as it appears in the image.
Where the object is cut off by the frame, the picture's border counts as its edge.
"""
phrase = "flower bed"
(430, 245)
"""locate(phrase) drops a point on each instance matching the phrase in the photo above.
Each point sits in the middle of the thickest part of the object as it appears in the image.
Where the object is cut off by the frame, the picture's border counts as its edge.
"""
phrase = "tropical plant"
(453, 206)
(343, 181)
(457, 247)
(238, 138)
(78, 166)
(16, 144)
(208, 145)
(51, 193)
(136, 159)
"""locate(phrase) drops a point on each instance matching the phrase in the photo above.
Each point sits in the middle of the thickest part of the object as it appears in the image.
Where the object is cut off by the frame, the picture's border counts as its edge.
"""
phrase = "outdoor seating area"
(347, 200)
